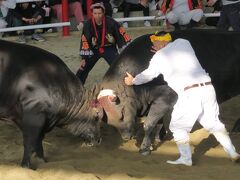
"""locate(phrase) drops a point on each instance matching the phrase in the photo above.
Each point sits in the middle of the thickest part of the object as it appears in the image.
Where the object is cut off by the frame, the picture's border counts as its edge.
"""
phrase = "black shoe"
(176, 26)
(192, 24)
(37, 37)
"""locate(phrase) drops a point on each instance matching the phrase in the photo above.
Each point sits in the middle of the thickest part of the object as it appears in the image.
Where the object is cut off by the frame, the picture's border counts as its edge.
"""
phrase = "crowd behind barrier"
(37, 26)
(61, 24)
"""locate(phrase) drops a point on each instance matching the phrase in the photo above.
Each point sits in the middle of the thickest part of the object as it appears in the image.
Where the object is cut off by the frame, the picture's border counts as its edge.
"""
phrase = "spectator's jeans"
(128, 7)
(230, 17)
(75, 9)
(110, 53)
(18, 22)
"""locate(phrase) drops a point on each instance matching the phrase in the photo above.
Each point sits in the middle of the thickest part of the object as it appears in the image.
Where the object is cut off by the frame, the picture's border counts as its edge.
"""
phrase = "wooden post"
(89, 2)
(65, 17)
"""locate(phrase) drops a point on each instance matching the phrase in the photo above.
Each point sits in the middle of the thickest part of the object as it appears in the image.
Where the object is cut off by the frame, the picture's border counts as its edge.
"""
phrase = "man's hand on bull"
(82, 64)
(128, 79)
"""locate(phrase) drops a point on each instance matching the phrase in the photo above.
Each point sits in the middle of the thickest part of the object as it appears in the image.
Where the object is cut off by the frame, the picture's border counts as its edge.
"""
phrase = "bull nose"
(94, 142)
(126, 136)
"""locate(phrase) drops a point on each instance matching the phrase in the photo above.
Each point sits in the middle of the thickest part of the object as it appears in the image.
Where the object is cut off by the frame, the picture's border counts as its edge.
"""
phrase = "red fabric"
(164, 5)
(171, 3)
(89, 2)
(74, 9)
(190, 4)
(101, 49)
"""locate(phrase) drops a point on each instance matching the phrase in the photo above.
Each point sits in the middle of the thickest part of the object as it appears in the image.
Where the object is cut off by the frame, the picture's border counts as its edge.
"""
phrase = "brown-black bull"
(39, 92)
(218, 53)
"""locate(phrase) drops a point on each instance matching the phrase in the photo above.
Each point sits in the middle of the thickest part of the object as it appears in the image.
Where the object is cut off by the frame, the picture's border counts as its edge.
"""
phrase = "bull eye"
(96, 119)
(29, 88)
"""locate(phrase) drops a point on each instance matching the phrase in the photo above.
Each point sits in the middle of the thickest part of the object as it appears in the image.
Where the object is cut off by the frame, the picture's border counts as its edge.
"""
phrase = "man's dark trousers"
(110, 53)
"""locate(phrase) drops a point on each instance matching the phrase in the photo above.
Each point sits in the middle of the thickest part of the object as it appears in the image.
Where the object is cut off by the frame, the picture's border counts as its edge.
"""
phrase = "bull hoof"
(145, 151)
(157, 141)
(89, 144)
(26, 165)
(41, 160)
(126, 137)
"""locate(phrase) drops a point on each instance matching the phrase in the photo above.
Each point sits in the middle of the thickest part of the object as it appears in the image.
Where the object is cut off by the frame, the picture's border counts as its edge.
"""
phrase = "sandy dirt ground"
(69, 159)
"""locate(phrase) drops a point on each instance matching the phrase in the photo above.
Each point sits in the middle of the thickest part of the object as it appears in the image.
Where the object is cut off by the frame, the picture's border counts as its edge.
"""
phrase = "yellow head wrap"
(166, 37)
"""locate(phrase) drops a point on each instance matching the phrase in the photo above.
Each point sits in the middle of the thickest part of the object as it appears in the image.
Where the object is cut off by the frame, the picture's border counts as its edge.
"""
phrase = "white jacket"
(178, 64)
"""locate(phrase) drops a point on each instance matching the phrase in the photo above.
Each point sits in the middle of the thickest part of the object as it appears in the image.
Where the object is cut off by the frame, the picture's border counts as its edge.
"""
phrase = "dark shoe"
(147, 24)
(176, 26)
(22, 39)
(37, 37)
(192, 24)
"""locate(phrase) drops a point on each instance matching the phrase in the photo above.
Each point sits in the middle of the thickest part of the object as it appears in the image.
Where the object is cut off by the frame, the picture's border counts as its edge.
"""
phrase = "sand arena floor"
(70, 159)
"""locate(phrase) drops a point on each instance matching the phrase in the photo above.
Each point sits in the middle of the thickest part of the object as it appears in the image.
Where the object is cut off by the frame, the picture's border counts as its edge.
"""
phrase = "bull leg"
(126, 130)
(159, 127)
(33, 124)
(39, 149)
(157, 110)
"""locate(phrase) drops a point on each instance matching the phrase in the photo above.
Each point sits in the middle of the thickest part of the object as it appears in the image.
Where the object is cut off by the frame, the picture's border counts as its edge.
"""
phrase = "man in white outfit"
(4, 6)
(182, 12)
(230, 14)
(178, 64)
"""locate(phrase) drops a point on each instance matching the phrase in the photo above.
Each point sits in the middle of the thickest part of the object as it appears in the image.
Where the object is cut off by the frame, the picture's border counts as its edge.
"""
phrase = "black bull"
(38, 92)
(218, 53)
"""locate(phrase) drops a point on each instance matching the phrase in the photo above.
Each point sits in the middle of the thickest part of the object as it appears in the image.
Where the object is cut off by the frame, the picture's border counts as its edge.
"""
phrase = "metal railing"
(62, 24)
(37, 26)
(142, 18)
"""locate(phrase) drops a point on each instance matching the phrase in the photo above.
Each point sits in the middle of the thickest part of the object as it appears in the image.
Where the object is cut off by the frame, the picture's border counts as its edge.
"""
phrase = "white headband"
(100, 5)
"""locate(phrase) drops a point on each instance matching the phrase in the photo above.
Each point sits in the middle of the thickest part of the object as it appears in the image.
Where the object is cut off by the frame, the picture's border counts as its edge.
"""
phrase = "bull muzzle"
(94, 142)
(107, 98)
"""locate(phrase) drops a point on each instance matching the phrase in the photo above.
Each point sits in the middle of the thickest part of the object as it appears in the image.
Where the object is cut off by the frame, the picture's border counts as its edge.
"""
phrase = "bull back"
(219, 54)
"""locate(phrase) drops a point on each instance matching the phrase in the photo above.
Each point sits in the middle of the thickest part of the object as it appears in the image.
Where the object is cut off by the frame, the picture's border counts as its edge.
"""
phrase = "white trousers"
(195, 104)
(184, 17)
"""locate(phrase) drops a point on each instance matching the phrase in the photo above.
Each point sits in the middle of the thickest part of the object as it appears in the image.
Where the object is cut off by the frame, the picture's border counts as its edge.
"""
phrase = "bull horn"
(108, 92)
